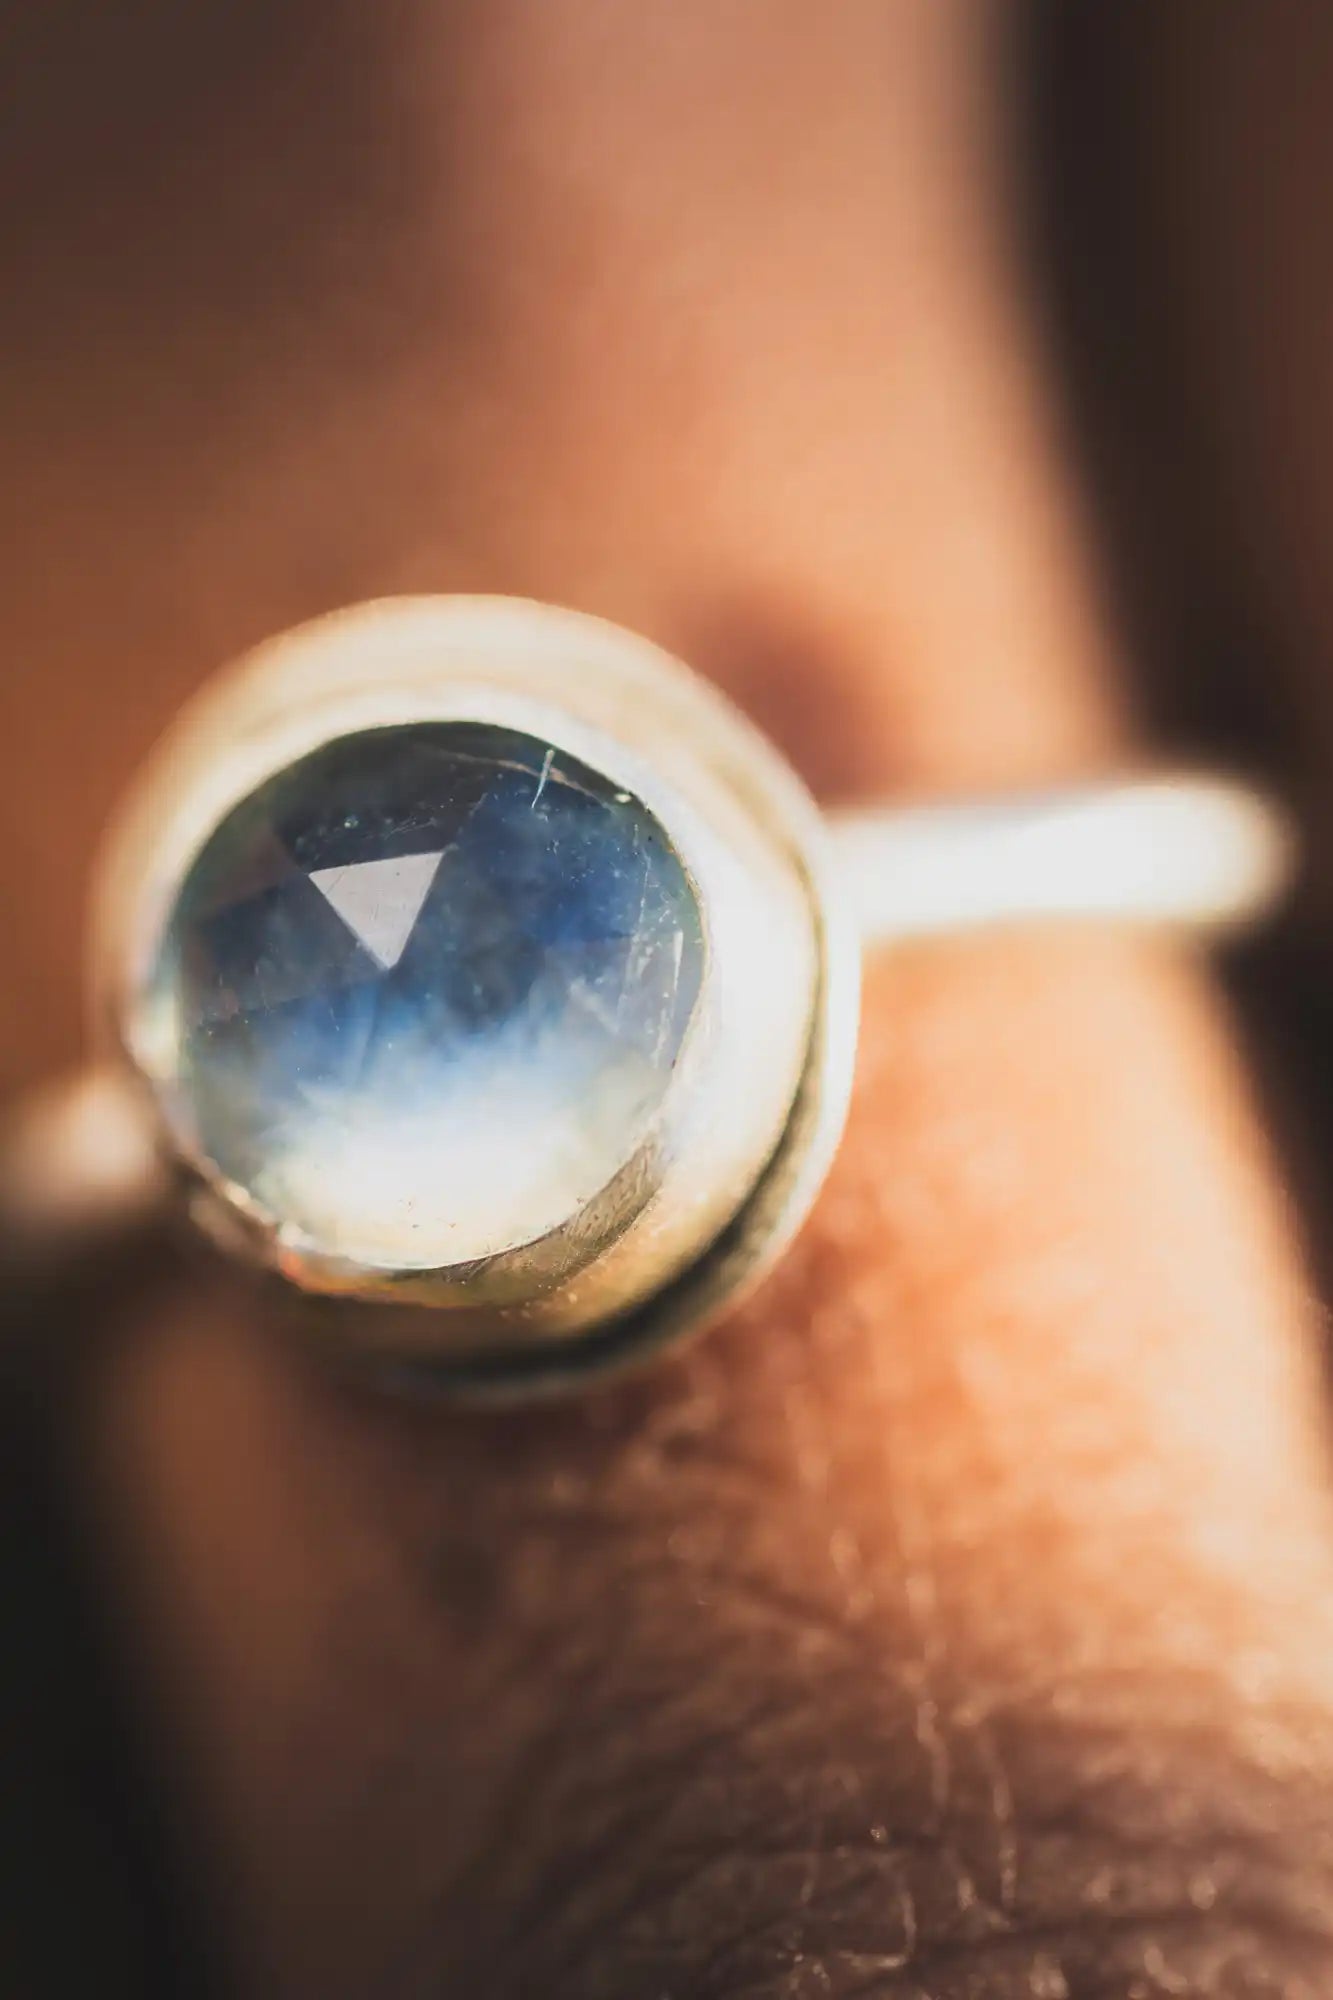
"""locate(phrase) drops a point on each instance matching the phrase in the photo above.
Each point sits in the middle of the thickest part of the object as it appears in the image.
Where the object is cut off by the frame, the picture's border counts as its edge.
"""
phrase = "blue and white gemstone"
(429, 985)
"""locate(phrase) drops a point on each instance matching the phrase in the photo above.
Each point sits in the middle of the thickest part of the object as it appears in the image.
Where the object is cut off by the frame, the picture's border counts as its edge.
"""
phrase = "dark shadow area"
(1105, 109)
(94, 1892)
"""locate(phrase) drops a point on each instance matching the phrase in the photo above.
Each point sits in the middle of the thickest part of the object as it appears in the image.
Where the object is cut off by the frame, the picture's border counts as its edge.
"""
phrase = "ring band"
(1182, 849)
(480, 973)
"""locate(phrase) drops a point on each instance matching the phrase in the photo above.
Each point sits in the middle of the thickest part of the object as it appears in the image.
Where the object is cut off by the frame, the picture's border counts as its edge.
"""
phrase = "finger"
(964, 1598)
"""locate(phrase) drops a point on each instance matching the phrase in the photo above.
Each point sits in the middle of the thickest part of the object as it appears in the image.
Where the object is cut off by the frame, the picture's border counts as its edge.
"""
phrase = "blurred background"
(1178, 164)
(1182, 169)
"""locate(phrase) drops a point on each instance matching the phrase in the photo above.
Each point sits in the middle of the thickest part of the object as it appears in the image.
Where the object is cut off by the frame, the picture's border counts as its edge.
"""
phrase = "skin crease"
(953, 1621)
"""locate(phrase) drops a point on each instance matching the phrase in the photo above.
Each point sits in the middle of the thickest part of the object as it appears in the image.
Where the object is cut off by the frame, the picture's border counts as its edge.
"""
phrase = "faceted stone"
(427, 987)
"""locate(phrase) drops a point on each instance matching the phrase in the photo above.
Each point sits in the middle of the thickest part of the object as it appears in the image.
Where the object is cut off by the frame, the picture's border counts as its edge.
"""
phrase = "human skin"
(954, 1620)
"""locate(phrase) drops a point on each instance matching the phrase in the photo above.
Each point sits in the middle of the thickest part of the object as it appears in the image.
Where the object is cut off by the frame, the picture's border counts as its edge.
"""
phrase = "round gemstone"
(426, 990)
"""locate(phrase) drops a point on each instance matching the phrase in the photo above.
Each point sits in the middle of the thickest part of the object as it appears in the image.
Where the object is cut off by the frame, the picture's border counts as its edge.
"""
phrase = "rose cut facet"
(427, 990)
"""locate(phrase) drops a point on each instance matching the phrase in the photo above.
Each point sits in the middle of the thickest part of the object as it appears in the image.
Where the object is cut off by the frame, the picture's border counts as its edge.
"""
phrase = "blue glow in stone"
(428, 986)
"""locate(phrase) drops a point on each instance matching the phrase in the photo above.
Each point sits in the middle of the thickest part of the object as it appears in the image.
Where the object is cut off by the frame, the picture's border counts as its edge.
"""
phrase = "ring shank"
(1189, 852)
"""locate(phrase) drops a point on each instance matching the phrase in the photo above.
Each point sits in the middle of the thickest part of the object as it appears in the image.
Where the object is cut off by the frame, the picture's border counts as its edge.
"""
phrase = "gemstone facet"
(427, 988)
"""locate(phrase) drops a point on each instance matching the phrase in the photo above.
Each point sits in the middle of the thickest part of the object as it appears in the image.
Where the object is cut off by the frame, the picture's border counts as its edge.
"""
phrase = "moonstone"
(426, 990)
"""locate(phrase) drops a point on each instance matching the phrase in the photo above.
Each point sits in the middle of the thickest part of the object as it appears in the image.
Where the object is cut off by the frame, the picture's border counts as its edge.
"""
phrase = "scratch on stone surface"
(547, 762)
(582, 995)
(665, 1022)
(633, 955)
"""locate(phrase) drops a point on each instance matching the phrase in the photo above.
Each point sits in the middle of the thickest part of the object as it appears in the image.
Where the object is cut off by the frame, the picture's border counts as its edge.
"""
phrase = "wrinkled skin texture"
(953, 1621)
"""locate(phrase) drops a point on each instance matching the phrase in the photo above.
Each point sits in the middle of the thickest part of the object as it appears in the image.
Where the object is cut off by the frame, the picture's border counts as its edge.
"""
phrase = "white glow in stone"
(490, 1157)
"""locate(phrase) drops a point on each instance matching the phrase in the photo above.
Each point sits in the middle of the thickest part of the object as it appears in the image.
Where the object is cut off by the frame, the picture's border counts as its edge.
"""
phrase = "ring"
(485, 976)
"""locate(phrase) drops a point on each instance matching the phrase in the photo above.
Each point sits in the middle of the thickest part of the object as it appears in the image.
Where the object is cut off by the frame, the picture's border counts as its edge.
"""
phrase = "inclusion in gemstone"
(426, 989)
